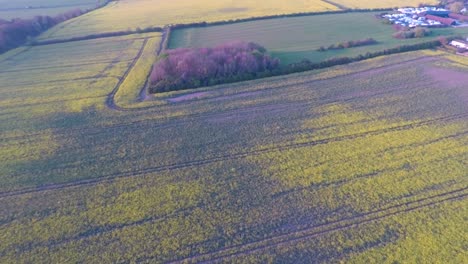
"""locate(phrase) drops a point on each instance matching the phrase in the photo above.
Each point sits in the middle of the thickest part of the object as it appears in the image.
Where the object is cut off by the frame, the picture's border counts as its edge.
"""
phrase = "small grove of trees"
(306, 65)
(349, 44)
(17, 31)
(191, 68)
(407, 33)
(456, 7)
(168, 74)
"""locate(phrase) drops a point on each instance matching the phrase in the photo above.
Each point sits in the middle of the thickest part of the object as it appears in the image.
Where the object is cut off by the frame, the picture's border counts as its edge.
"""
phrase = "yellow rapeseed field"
(144, 13)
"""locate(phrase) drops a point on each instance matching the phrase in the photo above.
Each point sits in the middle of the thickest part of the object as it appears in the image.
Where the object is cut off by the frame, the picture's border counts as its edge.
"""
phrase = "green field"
(293, 39)
(31, 8)
(358, 163)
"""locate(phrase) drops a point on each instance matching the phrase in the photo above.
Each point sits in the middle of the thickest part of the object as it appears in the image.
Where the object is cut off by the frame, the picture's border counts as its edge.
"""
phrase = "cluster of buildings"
(426, 10)
(411, 21)
(424, 17)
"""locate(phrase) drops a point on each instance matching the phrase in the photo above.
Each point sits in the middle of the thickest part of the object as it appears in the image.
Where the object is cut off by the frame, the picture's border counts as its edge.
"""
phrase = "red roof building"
(443, 20)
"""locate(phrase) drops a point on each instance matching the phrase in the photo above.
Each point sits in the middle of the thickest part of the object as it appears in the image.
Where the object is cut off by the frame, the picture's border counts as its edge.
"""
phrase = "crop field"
(358, 163)
(293, 39)
(143, 13)
(91, 71)
(30, 8)
(178, 11)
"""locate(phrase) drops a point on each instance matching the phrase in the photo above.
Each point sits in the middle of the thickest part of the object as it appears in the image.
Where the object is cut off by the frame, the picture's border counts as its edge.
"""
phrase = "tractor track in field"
(10, 58)
(241, 155)
(191, 117)
(143, 93)
(103, 230)
(53, 102)
(229, 114)
(101, 74)
(345, 181)
(110, 101)
(57, 81)
(61, 66)
(339, 6)
(187, 118)
(281, 233)
(305, 232)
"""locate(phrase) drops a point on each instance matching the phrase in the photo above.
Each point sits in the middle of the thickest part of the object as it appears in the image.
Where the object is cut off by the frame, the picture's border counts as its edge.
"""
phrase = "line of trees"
(241, 20)
(349, 44)
(191, 68)
(307, 65)
(18, 31)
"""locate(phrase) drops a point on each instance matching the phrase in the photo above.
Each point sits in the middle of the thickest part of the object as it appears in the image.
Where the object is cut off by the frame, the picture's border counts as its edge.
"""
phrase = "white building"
(461, 44)
(413, 11)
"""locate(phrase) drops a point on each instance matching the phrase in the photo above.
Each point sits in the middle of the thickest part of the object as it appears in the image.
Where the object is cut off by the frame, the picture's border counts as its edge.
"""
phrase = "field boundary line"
(59, 66)
(144, 95)
(92, 37)
(163, 44)
(339, 6)
(110, 101)
(240, 155)
(13, 55)
(323, 229)
(205, 24)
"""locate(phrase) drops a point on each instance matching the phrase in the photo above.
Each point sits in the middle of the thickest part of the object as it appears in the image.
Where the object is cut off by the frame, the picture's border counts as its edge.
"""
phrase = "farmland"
(329, 165)
(358, 163)
(28, 9)
(178, 11)
(296, 38)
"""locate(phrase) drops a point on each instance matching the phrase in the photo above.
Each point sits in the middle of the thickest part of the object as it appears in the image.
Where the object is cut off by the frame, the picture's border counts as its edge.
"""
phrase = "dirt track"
(110, 101)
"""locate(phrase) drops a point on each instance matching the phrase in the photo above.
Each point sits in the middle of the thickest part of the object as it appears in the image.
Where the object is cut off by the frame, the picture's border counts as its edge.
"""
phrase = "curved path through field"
(143, 95)
(110, 101)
